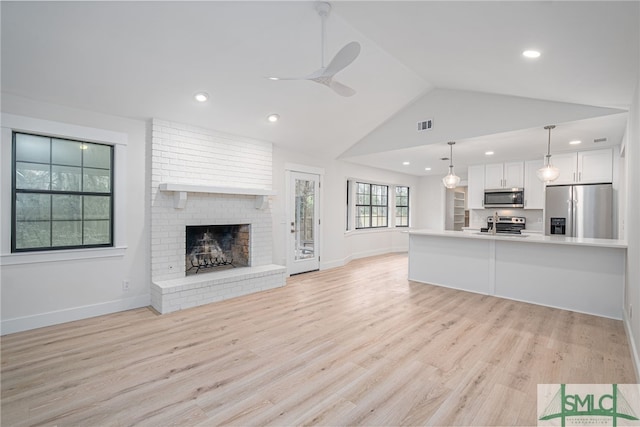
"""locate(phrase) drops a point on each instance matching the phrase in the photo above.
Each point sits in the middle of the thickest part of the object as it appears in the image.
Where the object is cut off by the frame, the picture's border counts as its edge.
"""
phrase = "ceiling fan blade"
(318, 73)
(341, 89)
(344, 57)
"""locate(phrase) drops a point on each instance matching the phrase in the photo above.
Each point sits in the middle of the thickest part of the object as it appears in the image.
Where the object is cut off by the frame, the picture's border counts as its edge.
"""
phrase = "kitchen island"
(578, 274)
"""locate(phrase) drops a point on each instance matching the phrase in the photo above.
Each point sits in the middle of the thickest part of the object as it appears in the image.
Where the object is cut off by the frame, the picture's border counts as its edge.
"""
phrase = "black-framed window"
(62, 193)
(402, 206)
(372, 205)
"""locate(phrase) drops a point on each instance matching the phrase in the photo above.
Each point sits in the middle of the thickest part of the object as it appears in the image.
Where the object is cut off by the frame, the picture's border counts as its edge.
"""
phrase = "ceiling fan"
(341, 60)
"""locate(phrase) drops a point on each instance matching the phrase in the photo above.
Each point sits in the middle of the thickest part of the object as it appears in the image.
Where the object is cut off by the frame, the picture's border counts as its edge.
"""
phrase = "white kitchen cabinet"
(584, 167)
(493, 175)
(567, 164)
(504, 175)
(595, 166)
(533, 187)
(475, 187)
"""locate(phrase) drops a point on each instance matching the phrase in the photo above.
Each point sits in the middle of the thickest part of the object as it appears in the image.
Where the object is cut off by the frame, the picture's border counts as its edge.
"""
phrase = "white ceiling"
(147, 59)
(526, 144)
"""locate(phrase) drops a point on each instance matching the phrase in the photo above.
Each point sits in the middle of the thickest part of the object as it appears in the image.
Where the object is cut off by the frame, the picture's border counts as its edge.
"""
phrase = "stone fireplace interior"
(212, 248)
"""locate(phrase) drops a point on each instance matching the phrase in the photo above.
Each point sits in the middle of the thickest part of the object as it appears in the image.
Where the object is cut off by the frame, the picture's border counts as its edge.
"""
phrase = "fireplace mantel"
(180, 193)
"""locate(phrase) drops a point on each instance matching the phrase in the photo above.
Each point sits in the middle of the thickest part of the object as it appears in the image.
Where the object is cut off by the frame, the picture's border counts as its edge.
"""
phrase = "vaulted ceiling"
(147, 59)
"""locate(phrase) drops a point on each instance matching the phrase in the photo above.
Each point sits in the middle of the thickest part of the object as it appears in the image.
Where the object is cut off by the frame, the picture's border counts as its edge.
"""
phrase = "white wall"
(336, 246)
(632, 287)
(431, 203)
(45, 293)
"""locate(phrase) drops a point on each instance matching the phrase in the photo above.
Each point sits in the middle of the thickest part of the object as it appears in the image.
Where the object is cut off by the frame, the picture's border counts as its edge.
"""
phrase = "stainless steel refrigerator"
(579, 210)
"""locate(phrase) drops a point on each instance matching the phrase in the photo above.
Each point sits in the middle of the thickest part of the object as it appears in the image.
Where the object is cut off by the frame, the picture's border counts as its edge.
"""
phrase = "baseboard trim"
(342, 262)
(635, 356)
(20, 324)
(333, 264)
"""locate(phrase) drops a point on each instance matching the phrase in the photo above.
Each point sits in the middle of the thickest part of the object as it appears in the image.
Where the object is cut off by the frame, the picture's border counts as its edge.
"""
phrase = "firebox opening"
(216, 247)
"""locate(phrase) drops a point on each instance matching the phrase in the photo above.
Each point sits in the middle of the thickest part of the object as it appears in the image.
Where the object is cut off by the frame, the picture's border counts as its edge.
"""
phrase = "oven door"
(504, 198)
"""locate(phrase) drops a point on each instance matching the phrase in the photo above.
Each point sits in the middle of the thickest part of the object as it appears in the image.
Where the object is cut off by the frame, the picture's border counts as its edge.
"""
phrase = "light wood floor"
(358, 345)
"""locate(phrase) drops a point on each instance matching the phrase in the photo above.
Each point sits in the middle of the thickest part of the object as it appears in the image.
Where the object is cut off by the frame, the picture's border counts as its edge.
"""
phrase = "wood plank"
(357, 345)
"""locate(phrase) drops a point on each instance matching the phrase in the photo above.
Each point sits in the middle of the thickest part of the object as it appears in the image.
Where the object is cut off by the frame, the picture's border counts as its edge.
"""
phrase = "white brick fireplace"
(201, 177)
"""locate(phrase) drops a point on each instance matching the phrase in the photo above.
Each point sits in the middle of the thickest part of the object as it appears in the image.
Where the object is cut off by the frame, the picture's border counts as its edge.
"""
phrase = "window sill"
(375, 230)
(61, 255)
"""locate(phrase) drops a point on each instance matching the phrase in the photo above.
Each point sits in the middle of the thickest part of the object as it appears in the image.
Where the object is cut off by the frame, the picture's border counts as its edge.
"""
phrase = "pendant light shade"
(548, 172)
(451, 180)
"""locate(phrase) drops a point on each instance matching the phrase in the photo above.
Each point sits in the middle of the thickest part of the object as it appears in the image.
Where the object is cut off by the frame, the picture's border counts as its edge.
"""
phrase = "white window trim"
(11, 123)
(391, 221)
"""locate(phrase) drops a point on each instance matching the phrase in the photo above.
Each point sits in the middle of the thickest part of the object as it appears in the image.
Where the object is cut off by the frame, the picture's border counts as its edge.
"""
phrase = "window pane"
(96, 232)
(97, 207)
(97, 156)
(33, 207)
(31, 148)
(33, 234)
(66, 152)
(66, 207)
(66, 233)
(65, 178)
(362, 216)
(96, 180)
(32, 176)
(363, 199)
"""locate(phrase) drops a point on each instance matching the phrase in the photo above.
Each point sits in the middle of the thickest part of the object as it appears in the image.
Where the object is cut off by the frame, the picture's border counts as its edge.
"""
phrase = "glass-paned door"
(303, 221)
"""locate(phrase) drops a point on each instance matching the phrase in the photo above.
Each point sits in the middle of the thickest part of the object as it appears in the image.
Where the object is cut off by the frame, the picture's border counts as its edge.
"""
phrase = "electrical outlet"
(125, 284)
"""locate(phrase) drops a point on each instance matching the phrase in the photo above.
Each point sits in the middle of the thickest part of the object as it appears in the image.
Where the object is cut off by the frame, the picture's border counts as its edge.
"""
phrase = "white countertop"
(525, 238)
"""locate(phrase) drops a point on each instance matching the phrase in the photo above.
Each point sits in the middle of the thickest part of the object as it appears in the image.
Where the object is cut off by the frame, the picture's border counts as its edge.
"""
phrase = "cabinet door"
(475, 188)
(595, 166)
(567, 163)
(533, 187)
(513, 175)
(493, 177)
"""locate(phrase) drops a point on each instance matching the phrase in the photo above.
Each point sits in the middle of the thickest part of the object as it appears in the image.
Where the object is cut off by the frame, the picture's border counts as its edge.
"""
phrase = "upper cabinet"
(584, 167)
(504, 175)
(475, 188)
(533, 187)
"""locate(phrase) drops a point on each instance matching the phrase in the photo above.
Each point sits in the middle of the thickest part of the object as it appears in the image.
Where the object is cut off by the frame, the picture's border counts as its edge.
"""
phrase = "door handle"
(574, 176)
(579, 176)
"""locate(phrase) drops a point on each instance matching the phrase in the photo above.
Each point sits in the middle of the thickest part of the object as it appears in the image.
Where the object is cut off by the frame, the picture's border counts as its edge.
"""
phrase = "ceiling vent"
(600, 140)
(425, 125)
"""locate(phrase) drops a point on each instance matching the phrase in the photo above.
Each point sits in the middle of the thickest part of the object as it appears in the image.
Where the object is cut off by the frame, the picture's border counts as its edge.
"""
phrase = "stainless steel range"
(507, 224)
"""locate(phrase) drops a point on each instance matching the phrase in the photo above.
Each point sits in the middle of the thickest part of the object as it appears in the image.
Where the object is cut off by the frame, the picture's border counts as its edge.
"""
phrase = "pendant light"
(451, 180)
(548, 172)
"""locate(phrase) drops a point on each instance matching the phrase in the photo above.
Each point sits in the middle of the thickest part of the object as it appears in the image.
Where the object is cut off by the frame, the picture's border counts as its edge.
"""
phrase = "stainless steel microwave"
(504, 198)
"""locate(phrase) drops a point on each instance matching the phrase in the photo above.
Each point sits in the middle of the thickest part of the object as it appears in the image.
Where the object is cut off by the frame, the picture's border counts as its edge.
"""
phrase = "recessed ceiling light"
(273, 118)
(273, 78)
(531, 54)
(406, 163)
(576, 142)
(488, 153)
(201, 96)
(427, 169)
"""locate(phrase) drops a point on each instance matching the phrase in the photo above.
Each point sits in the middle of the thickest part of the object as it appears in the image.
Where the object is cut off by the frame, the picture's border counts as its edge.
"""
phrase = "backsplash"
(478, 217)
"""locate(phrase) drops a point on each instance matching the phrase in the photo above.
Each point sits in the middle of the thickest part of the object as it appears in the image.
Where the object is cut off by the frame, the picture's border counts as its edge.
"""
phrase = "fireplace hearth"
(211, 248)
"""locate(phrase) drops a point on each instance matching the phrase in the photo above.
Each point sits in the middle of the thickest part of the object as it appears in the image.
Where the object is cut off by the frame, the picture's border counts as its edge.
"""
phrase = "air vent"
(600, 140)
(425, 125)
